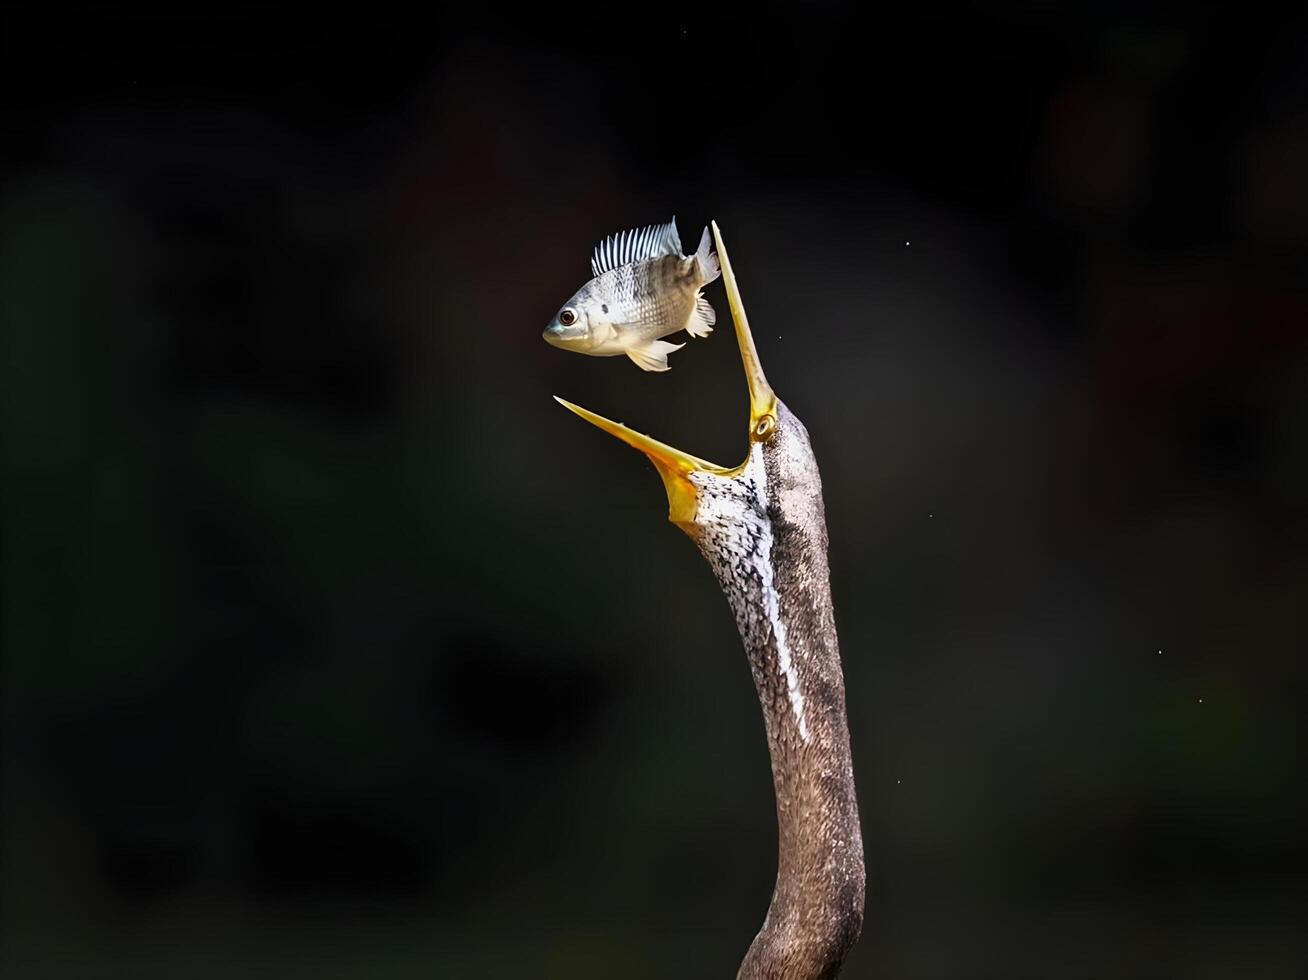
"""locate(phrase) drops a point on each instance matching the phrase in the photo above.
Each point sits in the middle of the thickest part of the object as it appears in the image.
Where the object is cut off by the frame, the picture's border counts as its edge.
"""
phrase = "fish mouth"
(676, 466)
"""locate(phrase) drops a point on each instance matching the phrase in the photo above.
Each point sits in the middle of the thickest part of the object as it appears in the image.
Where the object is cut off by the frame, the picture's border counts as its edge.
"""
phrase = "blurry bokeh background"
(333, 647)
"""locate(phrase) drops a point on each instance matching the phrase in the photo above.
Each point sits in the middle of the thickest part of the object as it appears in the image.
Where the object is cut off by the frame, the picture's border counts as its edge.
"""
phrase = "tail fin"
(707, 258)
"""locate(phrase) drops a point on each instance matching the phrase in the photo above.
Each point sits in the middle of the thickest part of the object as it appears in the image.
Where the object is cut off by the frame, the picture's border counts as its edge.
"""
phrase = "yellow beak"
(675, 466)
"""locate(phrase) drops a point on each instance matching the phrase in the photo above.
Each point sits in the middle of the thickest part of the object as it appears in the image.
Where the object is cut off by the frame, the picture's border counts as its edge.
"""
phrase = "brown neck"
(775, 577)
(816, 913)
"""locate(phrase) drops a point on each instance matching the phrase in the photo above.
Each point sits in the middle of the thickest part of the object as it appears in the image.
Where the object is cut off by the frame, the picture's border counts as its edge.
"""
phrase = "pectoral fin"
(653, 356)
(702, 320)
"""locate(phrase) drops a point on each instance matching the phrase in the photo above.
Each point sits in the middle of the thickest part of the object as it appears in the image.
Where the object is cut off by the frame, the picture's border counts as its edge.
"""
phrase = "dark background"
(333, 647)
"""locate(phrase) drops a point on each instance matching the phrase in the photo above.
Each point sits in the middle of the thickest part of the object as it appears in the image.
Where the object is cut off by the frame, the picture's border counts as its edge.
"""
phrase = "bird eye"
(568, 317)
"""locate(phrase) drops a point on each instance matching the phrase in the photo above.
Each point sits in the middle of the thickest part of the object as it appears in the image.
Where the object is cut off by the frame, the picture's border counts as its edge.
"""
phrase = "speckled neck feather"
(764, 534)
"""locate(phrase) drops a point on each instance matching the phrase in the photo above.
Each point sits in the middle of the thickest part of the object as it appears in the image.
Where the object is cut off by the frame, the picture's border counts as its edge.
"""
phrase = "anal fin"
(702, 320)
(653, 356)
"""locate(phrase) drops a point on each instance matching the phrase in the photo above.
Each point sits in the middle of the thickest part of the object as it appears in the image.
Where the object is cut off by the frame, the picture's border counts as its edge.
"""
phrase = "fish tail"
(707, 259)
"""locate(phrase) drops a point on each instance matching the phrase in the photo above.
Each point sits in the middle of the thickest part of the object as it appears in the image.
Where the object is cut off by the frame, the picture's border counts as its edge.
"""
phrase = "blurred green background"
(333, 647)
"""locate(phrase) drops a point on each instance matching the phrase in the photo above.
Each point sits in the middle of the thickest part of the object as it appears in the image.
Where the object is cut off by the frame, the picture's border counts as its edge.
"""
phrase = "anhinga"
(762, 527)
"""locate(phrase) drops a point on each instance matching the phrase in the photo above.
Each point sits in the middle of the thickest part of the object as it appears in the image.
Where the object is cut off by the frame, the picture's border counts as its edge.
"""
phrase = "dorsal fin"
(635, 245)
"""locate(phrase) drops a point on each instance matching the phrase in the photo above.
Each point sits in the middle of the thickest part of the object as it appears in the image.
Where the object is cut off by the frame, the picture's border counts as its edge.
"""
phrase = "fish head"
(574, 326)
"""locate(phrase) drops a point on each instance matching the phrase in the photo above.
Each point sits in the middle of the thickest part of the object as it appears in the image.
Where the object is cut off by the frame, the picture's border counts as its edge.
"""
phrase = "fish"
(642, 290)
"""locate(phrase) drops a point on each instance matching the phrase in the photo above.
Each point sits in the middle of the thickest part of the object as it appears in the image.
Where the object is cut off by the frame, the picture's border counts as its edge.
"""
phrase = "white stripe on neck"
(771, 603)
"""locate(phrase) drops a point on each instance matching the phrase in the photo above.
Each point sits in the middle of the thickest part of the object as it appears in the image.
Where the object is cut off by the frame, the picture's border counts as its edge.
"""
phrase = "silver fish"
(643, 289)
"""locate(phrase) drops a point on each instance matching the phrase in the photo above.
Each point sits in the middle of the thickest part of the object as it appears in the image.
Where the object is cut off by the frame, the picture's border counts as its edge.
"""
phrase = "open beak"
(675, 466)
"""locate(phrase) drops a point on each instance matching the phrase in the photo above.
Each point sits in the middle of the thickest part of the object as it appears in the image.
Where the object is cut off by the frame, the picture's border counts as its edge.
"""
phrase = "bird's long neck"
(772, 566)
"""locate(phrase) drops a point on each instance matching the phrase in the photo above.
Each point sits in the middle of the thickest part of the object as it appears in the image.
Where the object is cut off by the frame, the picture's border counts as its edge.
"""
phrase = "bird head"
(778, 478)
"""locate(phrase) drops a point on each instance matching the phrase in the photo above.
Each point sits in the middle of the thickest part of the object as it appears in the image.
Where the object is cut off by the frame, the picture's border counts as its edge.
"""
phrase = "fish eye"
(568, 317)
